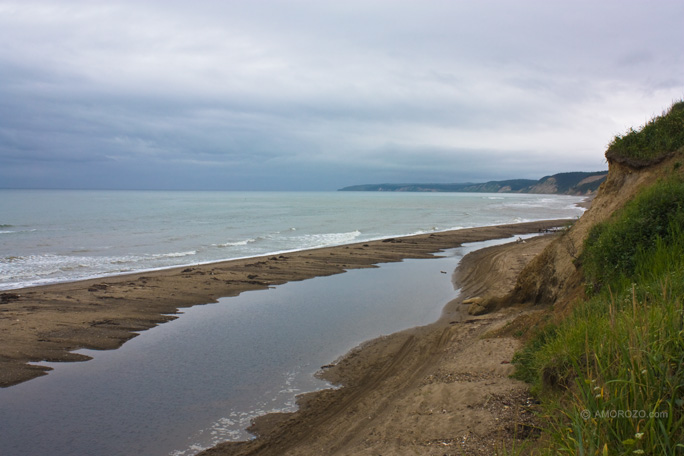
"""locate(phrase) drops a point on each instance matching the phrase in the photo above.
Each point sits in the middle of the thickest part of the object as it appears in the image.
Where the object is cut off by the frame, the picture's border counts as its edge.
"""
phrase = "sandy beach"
(49, 322)
(440, 389)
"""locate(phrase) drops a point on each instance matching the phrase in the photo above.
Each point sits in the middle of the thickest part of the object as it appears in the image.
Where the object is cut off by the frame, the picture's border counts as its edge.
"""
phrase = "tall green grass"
(611, 375)
(611, 248)
(660, 136)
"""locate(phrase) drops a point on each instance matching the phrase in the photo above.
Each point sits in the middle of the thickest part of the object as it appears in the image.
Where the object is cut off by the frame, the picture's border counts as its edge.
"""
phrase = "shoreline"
(585, 204)
(430, 389)
(49, 322)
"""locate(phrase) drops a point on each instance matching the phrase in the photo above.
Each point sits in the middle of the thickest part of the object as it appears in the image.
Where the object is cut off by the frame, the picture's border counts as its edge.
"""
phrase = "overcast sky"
(320, 94)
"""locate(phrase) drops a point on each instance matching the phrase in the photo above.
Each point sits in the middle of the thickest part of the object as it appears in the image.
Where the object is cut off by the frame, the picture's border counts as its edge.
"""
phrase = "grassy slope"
(611, 375)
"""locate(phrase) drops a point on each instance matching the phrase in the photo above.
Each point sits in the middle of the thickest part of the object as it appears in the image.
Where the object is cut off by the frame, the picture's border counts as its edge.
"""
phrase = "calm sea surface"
(50, 236)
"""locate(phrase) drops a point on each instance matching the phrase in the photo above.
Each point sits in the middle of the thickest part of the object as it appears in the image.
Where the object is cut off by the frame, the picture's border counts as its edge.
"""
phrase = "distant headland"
(574, 183)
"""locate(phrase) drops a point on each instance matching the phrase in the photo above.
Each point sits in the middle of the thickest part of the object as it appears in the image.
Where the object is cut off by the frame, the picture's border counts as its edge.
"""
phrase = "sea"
(49, 236)
(200, 379)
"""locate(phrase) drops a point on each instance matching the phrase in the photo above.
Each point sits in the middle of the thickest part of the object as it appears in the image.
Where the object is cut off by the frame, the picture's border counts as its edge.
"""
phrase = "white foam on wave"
(236, 243)
(175, 254)
(40, 269)
(326, 239)
(33, 270)
(15, 229)
(20, 270)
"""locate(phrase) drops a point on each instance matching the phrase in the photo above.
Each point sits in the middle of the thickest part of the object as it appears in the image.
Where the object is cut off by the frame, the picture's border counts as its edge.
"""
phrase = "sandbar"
(49, 322)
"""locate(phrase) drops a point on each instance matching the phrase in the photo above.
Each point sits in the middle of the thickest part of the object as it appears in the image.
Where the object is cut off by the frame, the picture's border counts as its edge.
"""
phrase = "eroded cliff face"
(547, 186)
(554, 277)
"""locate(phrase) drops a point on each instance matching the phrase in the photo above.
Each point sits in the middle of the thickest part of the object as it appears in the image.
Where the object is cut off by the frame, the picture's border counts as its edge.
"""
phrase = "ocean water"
(49, 236)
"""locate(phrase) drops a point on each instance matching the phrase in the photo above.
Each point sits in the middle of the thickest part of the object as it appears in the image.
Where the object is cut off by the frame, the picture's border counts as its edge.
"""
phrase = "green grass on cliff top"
(655, 140)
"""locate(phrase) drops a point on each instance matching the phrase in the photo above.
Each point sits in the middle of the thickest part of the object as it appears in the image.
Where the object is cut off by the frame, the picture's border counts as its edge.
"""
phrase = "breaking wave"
(175, 254)
(236, 243)
(327, 239)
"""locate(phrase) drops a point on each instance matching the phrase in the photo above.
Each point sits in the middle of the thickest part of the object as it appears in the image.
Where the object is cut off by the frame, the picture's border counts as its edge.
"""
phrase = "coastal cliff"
(586, 347)
(575, 183)
(604, 353)
(554, 277)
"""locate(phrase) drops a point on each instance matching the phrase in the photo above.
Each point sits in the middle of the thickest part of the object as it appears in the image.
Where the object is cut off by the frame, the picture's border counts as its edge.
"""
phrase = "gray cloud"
(317, 94)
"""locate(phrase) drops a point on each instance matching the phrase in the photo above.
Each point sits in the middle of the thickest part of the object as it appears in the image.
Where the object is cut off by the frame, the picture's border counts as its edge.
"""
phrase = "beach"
(440, 389)
(49, 322)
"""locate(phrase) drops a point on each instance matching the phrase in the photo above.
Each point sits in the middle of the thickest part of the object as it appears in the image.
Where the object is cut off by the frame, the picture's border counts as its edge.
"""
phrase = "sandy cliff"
(553, 277)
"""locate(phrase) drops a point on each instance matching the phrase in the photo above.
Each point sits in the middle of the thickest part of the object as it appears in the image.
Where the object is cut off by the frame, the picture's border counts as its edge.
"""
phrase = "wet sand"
(441, 389)
(48, 322)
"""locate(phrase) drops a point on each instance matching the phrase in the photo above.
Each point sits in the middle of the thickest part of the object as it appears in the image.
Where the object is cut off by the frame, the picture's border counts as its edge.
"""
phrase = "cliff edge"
(554, 277)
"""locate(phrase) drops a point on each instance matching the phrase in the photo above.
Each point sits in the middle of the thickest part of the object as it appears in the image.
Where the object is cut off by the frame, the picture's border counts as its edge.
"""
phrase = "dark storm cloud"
(318, 94)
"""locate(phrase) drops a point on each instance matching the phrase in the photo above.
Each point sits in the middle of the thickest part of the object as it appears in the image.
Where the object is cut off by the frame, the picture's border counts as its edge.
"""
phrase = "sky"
(321, 94)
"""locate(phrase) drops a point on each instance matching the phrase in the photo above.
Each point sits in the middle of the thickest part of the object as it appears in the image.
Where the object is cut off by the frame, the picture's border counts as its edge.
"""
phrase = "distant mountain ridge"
(574, 183)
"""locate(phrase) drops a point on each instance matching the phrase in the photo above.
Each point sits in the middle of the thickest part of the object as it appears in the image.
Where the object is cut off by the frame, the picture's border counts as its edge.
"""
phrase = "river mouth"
(199, 380)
